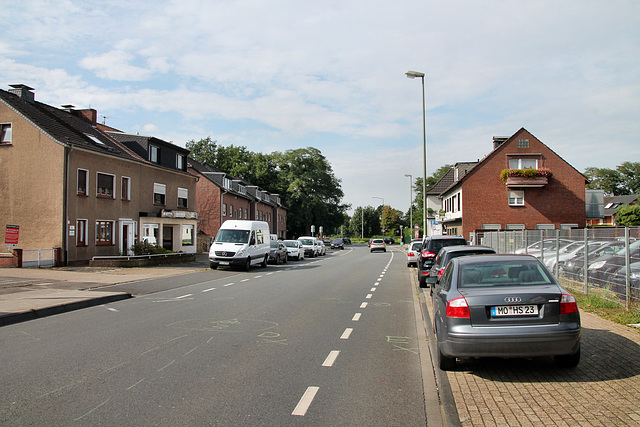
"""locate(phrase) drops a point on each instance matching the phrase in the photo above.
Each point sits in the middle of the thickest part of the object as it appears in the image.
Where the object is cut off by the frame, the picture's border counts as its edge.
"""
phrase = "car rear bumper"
(548, 343)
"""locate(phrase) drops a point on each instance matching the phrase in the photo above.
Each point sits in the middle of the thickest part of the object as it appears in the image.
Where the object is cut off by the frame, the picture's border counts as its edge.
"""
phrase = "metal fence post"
(586, 264)
(627, 266)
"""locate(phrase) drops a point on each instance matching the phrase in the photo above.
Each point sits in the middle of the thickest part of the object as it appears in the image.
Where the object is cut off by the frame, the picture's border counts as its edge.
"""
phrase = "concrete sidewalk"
(31, 293)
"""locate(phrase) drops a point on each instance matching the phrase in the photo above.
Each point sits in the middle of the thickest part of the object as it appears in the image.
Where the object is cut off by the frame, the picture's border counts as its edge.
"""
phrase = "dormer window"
(226, 182)
(154, 154)
(181, 162)
(242, 189)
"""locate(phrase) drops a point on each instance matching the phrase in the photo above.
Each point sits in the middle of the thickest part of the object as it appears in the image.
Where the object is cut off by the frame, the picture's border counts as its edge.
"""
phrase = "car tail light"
(411, 254)
(458, 307)
(568, 304)
(427, 254)
(440, 271)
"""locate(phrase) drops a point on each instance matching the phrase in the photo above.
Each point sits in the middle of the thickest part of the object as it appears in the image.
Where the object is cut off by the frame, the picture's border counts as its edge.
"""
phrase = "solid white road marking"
(356, 317)
(331, 358)
(346, 334)
(305, 401)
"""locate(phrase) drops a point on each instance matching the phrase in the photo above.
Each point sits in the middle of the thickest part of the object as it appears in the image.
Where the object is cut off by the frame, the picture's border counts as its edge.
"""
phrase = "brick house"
(70, 186)
(612, 203)
(221, 196)
(478, 200)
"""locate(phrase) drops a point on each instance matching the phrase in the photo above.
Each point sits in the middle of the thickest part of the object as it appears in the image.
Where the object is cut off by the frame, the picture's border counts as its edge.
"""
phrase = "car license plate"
(514, 310)
(223, 262)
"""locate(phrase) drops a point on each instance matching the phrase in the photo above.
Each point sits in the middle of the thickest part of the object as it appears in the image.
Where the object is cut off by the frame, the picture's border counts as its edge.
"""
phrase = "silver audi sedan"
(504, 306)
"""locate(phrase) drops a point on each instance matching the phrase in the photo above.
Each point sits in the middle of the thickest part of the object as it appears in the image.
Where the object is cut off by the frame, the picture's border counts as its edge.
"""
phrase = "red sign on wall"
(11, 235)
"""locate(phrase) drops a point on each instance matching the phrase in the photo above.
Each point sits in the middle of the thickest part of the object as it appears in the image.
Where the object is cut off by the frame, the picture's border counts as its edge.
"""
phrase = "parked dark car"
(503, 306)
(337, 243)
(602, 268)
(574, 267)
(389, 241)
(277, 252)
(448, 253)
(346, 240)
(326, 241)
(431, 245)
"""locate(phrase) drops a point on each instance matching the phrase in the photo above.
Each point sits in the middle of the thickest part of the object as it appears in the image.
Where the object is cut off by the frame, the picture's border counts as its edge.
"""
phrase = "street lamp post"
(410, 202)
(381, 211)
(413, 75)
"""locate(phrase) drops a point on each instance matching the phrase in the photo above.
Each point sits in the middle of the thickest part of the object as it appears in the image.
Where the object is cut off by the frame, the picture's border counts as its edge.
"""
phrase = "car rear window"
(502, 273)
(436, 245)
(378, 241)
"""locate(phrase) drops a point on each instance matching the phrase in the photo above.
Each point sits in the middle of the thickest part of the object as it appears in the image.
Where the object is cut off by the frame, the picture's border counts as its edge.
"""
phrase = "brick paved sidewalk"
(604, 390)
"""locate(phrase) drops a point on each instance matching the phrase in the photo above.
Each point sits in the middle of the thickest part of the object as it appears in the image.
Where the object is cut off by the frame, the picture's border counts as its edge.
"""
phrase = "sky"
(285, 74)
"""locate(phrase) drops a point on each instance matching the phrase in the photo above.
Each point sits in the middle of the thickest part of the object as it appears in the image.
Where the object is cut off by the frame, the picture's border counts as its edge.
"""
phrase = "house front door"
(127, 236)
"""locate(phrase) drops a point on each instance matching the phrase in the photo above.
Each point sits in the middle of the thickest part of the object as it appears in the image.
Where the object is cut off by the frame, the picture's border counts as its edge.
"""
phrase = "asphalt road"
(325, 341)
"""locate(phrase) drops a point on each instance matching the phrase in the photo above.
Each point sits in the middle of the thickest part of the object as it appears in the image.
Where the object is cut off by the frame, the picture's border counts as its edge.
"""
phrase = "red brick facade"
(485, 197)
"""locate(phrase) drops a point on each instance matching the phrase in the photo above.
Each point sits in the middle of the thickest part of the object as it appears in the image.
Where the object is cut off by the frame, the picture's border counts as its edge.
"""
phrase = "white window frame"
(545, 227)
(514, 227)
(162, 190)
(154, 153)
(128, 196)
(82, 232)
(226, 183)
(6, 133)
(187, 234)
(113, 232)
(183, 193)
(181, 162)
(520, 161)
(86, 182)
(224, 209)
(515, 197)
(113, 185)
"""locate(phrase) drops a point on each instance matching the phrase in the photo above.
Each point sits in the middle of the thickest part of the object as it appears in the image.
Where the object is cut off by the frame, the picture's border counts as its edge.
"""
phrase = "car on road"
(277, 252)
(294, 249)
(413, 253)
(346, 240)
(337, 243)
(326, 241)
(431, 245)
(389, 240)
(503, 306)
(377, 245)
(309, 245)
(322, 249)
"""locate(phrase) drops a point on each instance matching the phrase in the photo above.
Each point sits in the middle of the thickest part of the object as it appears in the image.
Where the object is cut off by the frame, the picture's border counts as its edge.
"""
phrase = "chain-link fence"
(604, 260)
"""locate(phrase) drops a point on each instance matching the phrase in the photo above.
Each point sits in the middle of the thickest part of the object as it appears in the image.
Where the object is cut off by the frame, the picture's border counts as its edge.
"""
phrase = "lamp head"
(413, 74)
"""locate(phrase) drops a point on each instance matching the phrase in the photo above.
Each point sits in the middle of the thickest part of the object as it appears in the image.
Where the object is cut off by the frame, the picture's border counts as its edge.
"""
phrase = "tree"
(303, 178)
(312, 193)
(417, 190)
(628, 216)
(365, 222)
(625, 179)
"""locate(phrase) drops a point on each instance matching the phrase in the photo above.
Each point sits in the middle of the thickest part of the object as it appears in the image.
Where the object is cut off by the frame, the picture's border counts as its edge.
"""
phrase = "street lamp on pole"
(413, 75)
(410, 201)
(381, 211)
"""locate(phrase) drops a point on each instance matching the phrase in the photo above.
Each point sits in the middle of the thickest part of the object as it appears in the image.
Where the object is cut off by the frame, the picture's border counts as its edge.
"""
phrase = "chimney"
(89, 114)
(24, 92)
(498, 140)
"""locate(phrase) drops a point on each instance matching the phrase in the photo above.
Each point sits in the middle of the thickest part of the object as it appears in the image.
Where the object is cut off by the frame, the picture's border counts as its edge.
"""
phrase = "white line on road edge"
(346, 334)
(305, 401)
(356, 317)
(331, 358)
(364, 305)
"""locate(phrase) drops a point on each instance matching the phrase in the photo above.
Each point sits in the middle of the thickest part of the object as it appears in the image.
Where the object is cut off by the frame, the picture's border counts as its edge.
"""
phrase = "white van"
(240, 243)
(309, 245)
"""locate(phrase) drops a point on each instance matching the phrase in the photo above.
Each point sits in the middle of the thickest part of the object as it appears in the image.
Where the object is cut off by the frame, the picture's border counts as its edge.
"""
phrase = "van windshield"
(233, 236)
